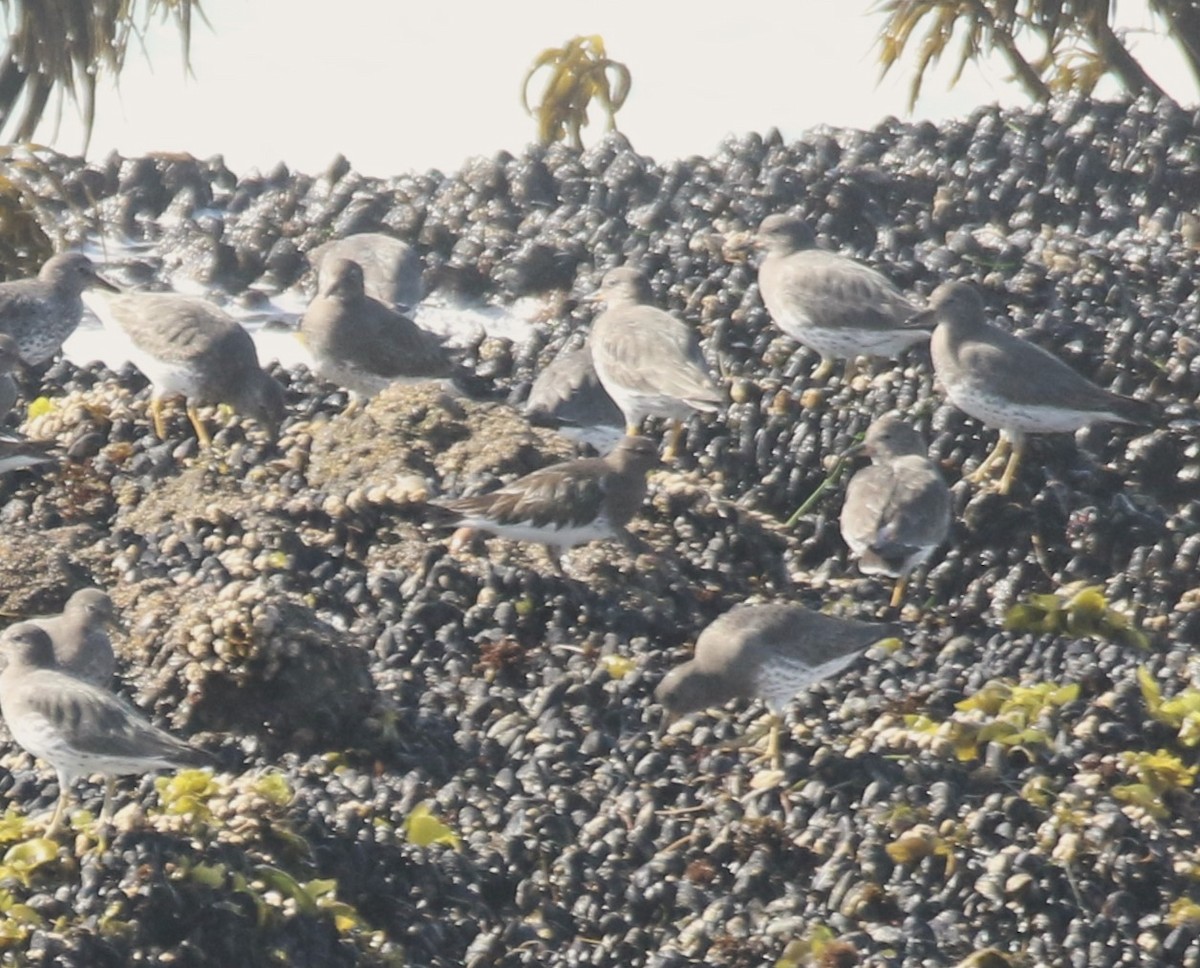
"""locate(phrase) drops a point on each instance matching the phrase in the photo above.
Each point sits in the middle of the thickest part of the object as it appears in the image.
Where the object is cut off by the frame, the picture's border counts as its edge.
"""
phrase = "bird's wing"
(1020, 368)
(556, 496)
(838, 292)
(652, 353)
(92, 720)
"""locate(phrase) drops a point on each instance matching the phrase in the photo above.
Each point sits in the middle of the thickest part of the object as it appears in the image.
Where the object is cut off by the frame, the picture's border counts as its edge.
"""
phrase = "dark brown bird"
(391, 269)
(566, 504)
(79, 634)
(568, 395)
(17, 451)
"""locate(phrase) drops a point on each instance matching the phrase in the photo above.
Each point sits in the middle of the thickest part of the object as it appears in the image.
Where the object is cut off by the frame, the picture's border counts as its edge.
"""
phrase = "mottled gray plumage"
(9, 358)
(649, 362)
(828, 302)
(569, 395)
(188, 347)
(768, 652)
(41, 312)
(897, 510)
(79, 635)
(359, 343)
(76, 726)
(17, 451)
(1011, 384)
(568, 503)
(391, 269)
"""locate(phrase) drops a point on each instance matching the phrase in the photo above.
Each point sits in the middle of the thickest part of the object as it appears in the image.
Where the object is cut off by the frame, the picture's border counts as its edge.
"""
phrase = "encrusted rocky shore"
(291, 608)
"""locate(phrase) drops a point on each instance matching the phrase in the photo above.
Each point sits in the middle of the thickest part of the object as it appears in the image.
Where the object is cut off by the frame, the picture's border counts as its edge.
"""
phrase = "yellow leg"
(771, 731)
(60, 808)
(672, 449)
(201, 430)
(353, 405)
(997, 454)
(160, 426)
(822, 372)
(632, 429)
(773, 756)
(851, 370)
(1010, 469)
(898, 591)
(110, 788)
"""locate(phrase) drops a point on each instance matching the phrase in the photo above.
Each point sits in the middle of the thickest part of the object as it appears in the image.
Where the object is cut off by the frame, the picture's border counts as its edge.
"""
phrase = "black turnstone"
(76, 726)
(566, 504)
(41, 312)
(1005, 382)
(828, 302)
(649, 362)
(897, 510)
(188, 347)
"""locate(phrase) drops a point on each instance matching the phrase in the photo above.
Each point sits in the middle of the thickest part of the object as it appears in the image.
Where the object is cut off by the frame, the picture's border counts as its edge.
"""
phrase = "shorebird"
(648, 361)
(769, 652)
(41, 312)
(391, 269)
(188, 347)
(77, 727)
(897, 510)
(568, 395)
(566, 504)
(359, 343)
(828, 302)
(79, 636)
(1005, 382)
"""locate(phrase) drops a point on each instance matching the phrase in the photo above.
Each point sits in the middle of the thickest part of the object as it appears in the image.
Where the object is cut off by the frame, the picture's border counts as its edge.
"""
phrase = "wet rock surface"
(294, 608)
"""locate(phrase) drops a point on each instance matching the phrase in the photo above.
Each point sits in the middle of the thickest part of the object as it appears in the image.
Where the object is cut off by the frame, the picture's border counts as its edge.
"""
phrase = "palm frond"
(64, 46)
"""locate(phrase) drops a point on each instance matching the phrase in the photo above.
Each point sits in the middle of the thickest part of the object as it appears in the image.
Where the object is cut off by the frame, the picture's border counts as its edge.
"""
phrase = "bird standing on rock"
(769, 652)
(79, 635)
(359, 343)
(77, 727)
(188, 347)
(566, 504)
(40, 313)
(828, 302)
(17, 451)
(897, 510)
(1006, 382)
(648, 361)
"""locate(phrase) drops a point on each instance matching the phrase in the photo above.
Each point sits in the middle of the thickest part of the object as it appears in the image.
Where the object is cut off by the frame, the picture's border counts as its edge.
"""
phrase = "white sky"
(397, 85)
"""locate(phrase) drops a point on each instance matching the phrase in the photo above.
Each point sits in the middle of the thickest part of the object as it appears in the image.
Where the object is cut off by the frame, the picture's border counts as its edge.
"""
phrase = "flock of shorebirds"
(639, 362)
